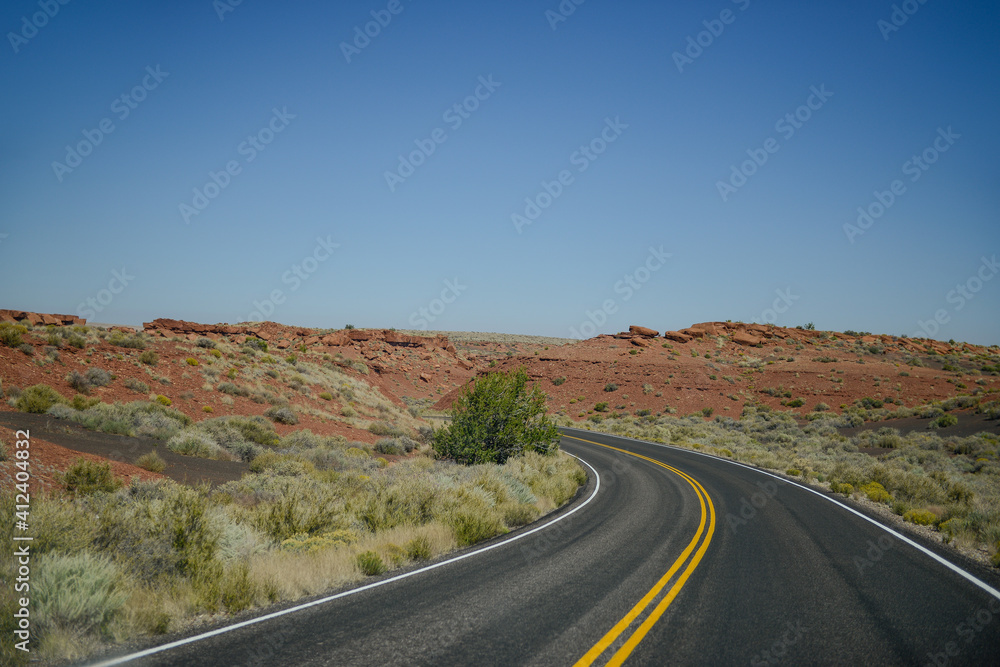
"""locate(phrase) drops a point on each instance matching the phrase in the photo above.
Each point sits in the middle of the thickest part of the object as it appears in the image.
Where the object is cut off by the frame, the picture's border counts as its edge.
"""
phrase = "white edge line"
(971, 577)
(260, 619)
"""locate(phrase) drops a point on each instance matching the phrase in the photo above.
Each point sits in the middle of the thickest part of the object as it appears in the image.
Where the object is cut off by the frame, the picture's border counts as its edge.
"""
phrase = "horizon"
(534, 168)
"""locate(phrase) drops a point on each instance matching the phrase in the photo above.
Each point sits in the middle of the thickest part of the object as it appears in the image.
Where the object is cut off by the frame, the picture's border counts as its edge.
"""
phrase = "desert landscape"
(341, 382)
(165, 402)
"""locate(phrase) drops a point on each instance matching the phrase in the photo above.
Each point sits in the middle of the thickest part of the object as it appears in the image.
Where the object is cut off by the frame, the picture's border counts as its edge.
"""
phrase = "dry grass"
(300, 574)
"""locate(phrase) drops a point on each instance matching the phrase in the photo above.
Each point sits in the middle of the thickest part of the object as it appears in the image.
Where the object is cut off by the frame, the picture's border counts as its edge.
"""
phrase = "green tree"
(498, 417)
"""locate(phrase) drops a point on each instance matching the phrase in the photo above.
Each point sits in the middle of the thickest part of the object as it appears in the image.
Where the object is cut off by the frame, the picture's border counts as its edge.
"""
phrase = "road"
(668, 557)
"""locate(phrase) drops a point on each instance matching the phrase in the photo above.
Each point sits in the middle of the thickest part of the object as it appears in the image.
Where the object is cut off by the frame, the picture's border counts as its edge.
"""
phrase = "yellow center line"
(706, 516)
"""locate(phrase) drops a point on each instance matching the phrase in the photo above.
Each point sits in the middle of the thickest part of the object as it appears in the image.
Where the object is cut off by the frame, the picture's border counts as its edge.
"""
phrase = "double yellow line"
(706, 528)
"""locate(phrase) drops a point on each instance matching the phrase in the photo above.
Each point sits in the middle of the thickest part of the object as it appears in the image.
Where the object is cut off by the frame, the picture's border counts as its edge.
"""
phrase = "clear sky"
(520, 167)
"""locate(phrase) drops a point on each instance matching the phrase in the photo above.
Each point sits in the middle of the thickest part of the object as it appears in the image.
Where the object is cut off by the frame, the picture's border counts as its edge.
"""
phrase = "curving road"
(667, 557)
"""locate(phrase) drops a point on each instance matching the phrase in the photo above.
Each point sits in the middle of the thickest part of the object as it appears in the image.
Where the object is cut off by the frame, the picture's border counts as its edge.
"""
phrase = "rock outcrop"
(643, 331)
(40, 319)
(284, 337)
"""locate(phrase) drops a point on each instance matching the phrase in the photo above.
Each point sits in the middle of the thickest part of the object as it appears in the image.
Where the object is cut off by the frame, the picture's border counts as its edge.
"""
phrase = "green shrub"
(611, 386)
(98, 377)
(944, 421)
(151, 462)
(558, 381)
(920, 517)
(388, 446)
(601, 407)
(76, 340)
(193, 535)
(370, 563)
(136, 385)
(256, 343)
(794, 472)
(282, 415)
(38, 399)
(821, 407)
(498, 417)
(193, 442)
(134, 418)
(795, 403)
(869, 403)
(122, 339)
(232, 389)
(471, 527)
(149, 358)
(312, 544)
(419, 548)
(876, 492)
(238, 589)
(85, 477)
(10, 334)
(207, 343)
(383, 428)
(75, 592)
(163, 400)
(78, 381)
(326, 396)
(707, 412)
(846, 489)
(81, 402)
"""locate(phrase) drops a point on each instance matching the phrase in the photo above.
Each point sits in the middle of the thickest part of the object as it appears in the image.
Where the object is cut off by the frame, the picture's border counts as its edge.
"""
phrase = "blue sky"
(642, 138)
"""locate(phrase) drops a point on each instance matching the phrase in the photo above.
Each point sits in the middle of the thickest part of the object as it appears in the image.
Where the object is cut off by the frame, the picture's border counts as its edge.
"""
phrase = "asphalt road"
(673, 558)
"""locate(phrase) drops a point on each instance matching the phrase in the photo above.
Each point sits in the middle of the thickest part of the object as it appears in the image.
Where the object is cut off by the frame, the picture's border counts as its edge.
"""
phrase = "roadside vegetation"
(111, 562)
(928, 478)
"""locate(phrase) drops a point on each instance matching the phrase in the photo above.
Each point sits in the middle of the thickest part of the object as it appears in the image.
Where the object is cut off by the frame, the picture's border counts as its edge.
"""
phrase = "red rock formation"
(745, 339)
(676, 336)
(643, 331)
(39, 319)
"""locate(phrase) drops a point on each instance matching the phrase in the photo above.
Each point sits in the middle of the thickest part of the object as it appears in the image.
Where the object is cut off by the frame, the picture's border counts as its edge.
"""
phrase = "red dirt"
(745, 360)
(47, 460)
(633, 361)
